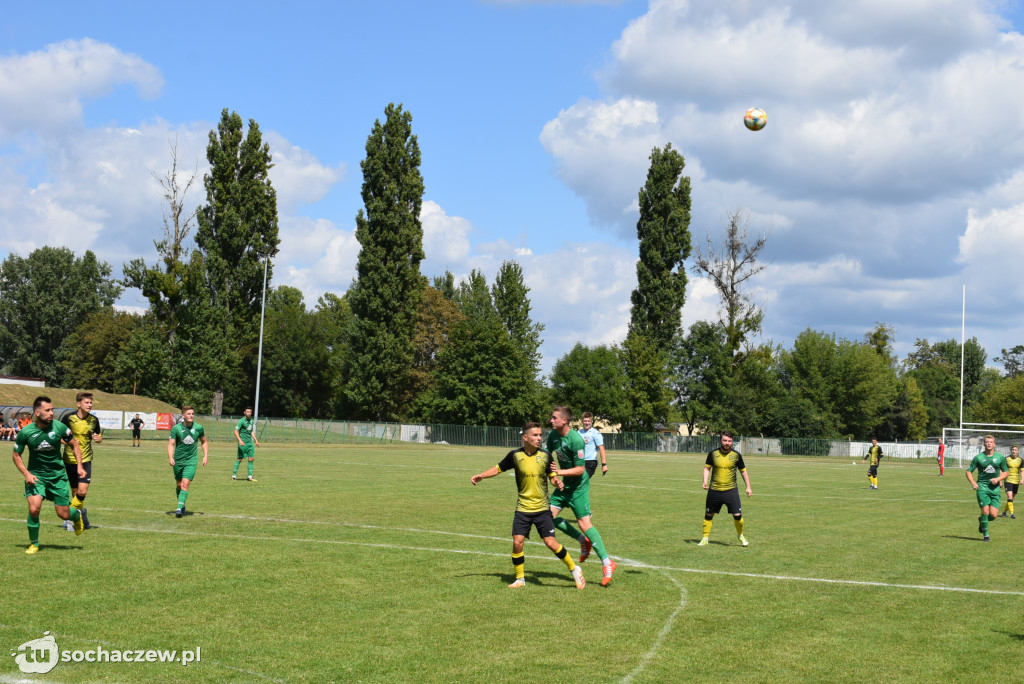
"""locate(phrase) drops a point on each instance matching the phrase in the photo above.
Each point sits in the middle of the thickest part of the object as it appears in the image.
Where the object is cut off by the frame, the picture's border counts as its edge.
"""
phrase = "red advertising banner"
(164, 421)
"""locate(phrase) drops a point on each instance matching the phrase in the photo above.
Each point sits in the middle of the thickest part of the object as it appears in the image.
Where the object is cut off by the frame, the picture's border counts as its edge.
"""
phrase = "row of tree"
(397, 347)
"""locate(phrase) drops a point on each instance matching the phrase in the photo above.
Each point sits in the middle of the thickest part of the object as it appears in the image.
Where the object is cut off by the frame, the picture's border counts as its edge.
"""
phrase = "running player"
(567, 447)
(245, 433)
(721, 483)
(875, 454)
(45, 476)
(991, 467)
(593, 442)
(532, 465)
(86, 429)
(183, 454)
(136, 423)
(1012, 483)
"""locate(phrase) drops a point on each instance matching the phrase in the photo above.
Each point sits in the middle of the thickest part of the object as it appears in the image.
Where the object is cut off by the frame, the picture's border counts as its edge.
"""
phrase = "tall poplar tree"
(237, 227)
(664, 233)
(385, 296)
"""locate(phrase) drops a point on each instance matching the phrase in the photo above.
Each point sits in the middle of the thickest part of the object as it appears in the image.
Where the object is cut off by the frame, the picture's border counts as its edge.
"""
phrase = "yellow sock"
(739, 525)
(76, 502)
(566, 558)
(1009, 507)
(519, 563)
(707, 528)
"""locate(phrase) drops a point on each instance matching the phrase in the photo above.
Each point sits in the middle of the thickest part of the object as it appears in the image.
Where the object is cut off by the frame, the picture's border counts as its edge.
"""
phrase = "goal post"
(963, 444)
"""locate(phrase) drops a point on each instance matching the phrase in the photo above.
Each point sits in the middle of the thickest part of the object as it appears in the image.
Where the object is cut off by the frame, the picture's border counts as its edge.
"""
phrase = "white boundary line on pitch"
(626, 561)
(665, 629)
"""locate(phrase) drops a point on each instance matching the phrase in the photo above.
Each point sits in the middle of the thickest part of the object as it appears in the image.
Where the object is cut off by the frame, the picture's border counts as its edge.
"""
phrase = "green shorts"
(247, 451)
(989, 496)
(54, 487)
(578, 500)
(184, 471)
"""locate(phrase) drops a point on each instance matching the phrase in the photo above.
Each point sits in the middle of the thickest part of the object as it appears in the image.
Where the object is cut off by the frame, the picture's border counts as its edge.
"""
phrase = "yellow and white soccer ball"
(755, 118)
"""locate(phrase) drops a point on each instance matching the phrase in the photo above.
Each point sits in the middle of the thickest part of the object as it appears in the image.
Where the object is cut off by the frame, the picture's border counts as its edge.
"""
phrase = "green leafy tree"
(907, 417)
(88, 356)
(386, 294)
(333, 318)
(511, 299)
(1004, 403)
(664, 233)
(646, 393)
(44, 297)
(296, 372)
(238, 224)
(1012, 360)
(974, 357)
(591, 379)
(700, 373)
(143, 366)
(437, 316)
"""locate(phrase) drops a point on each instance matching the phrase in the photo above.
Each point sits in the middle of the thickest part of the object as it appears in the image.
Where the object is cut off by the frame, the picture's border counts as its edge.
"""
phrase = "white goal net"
(962, 444)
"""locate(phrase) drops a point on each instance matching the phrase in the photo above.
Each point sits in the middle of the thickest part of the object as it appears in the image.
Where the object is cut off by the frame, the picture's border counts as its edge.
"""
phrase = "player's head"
(560, 417)
(1014, 450)
(531, 434)
(83, 400)
(247, 412)
(136, 415)
(42, 410)
(874, 441)
(588, 420)
(726, 440)
(990, 444)
(187, 414)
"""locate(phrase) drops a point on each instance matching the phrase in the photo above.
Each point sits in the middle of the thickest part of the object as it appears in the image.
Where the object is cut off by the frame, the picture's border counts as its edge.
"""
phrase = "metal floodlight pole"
(259, 354)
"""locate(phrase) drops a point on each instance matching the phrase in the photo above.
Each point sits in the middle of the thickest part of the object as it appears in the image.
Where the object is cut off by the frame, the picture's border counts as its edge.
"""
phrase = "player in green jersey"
(1012, 483)
(567, 446)
(532, 467)
(86, 429)
(45, 477)
(245, 433)
(991, 467)
(183, 454)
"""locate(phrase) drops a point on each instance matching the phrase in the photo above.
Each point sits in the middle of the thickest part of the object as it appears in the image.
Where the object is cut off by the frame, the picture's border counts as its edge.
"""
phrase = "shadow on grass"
(710, 541)
(186, 514)
(956, 536)
(531, 577)
(1012, 635)
(50, 547)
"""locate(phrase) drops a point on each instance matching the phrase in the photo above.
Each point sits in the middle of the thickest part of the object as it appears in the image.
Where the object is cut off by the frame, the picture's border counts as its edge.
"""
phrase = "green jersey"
(570, 451)
(988, 467)
(244, 429)
(186, 441)
(44, 446)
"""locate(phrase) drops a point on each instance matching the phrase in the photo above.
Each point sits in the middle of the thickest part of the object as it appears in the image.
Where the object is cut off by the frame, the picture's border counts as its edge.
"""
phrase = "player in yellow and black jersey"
(1012, 481)
(86, 429)
(875, 454)
(720, 480)
(532, 466)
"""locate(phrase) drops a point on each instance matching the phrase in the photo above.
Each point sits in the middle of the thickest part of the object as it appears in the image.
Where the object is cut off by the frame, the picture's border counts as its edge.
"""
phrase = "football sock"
(238, 462)
(984, 524)
(595, 538)
(33, 529)
(1009, 507)
(76, 501)
(561, 524)
(182, 496)
(74, 515)
(739, 525)
(177, 490)
(566, 558)
(991, 517)
(519, 563)
(250, 467)
(707, 528)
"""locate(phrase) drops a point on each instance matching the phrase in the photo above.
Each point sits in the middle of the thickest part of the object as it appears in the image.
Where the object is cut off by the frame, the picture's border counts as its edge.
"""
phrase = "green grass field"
(371, 563)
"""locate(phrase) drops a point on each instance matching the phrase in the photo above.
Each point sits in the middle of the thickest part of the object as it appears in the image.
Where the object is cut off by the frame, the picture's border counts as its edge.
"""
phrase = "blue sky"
(890, 172)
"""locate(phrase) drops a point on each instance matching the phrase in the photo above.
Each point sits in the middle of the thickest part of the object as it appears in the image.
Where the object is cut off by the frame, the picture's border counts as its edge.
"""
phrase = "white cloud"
(43, 91)
(298, 177)
(316, 256)
(446, 243)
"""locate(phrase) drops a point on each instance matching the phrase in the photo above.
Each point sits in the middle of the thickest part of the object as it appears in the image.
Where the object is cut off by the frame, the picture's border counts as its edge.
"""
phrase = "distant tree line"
(397, 346)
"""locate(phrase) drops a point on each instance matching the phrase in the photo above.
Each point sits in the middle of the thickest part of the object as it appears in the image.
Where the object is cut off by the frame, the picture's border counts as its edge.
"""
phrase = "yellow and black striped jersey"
(83, 429)
(724, 468)
(532, 473)
(1013, 466)
(875, 454)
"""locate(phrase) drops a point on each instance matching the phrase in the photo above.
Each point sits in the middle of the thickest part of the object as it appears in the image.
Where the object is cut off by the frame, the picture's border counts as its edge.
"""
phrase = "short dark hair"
(530, 425)
(726, 433)
(40, 400)
(247, 408)
(565, 411)
(82, 395)
(187, 408)
(588, 414)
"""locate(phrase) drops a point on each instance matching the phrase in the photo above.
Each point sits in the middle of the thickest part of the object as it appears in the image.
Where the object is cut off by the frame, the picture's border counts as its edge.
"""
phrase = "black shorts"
(1011, 488)
(136, 433)
(591, 467)
(873, 471)
(72, 471)
(731, 499)
(522, 522)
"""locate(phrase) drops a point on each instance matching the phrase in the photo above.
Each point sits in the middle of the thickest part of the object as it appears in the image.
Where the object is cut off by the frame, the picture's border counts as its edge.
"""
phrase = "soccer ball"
(755, 119)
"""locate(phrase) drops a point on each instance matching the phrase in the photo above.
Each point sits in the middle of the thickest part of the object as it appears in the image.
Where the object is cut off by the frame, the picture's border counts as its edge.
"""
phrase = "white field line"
(626, 561)
(665, 629)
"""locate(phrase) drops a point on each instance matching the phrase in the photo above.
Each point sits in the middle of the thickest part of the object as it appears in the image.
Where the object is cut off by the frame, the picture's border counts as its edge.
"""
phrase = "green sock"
(250, 468)
(984, 524)
(182, 496)
(74, 514)
(237, 463)
(595, 538)
(991, 517)
(561, 524)
(33, 529)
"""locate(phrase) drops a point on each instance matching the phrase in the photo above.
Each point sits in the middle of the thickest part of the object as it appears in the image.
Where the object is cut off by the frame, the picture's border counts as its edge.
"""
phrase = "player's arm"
(490, 472)
(69, 438)
(707, 475)
(567, 472)
(254, 440)
(20, 465)
(746, 479)
(970, 478)
(170, 450)
(238, 438)
(604, 459)
(97, 435)
(206, 448)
